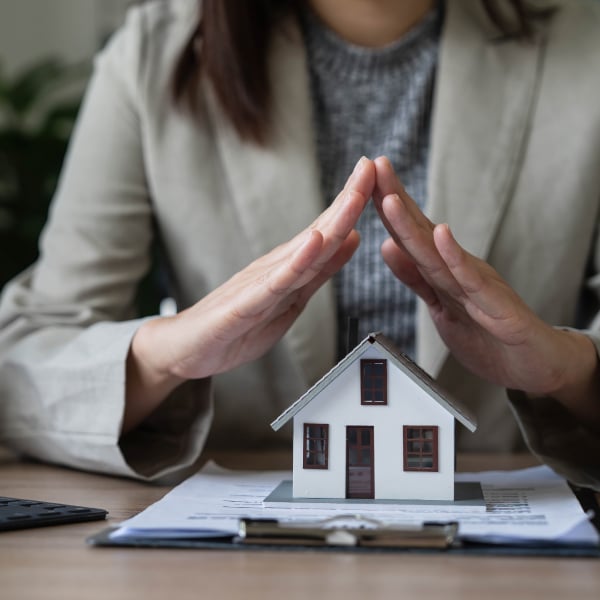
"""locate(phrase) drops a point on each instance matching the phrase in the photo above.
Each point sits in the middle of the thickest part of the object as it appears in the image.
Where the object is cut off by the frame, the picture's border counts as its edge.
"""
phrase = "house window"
(373, 382)
(316, 446)
(420, 448)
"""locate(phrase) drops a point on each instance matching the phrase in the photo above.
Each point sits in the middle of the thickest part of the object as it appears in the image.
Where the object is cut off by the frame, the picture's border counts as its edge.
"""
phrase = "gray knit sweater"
(373, 102)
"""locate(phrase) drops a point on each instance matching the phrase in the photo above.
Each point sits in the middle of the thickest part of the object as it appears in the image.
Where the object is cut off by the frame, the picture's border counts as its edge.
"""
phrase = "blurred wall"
(71, 29)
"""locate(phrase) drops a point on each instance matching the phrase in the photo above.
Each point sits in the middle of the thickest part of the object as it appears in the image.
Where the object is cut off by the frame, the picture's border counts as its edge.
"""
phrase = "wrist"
(579, 363)
(149, 377)
(578, 385)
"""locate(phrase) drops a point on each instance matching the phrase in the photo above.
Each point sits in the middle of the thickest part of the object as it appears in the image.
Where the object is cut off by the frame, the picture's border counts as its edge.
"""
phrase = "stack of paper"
(523, 507)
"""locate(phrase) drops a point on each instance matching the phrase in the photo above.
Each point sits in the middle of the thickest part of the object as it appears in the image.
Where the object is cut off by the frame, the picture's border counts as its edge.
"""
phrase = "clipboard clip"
(349, 531)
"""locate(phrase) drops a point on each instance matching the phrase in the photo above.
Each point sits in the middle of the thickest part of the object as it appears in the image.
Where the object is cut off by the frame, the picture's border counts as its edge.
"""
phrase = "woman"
(502, 155)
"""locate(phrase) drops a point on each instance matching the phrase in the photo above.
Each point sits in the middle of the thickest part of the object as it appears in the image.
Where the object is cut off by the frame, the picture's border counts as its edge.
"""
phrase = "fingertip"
(444, 240)
(387, 180)
(383, 162)
(388, 244)
(388, 249)
(384, 172)
(354, 237)
(343, 254)
(443, 232)
(391, 201)
(314, 236)
(308, 250)
(362, 180)
(361, 166)
(349, 246)
(310, 241)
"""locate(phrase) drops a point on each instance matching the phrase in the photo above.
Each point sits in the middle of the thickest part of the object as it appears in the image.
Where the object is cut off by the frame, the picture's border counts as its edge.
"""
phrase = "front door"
(359, 462)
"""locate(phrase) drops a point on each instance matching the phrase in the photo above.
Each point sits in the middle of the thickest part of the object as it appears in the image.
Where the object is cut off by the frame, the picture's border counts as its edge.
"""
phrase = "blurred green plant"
(38, 107)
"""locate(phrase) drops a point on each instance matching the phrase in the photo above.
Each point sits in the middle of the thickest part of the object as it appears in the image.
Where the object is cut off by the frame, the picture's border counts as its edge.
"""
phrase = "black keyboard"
(18, 513)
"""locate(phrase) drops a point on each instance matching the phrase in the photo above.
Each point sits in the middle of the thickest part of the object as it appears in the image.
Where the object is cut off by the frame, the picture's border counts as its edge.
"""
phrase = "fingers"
(339, 219)
(403, 267)
(412, 232)
(416, 241)
(387, 183)
(317, 252)
(361, 181)
(266, 282)
(457, 261)
(487, 297)
(336, 222)
(333, 265)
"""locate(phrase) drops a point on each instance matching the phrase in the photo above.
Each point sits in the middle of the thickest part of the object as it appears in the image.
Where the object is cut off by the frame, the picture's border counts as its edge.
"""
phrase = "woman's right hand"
(243, 318)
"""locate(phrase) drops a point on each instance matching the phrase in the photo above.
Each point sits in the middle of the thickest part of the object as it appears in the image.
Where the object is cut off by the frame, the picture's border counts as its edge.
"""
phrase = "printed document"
(526, 506)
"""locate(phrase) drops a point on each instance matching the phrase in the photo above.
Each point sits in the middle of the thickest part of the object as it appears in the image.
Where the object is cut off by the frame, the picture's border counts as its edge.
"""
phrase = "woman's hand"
(239, 321)
(482, 320)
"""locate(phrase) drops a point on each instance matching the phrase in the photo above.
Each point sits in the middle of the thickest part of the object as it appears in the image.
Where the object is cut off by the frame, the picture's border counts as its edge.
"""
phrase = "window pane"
(315, 459)
(421, 448)
(373, 381)
(414, 447)
(315, 445)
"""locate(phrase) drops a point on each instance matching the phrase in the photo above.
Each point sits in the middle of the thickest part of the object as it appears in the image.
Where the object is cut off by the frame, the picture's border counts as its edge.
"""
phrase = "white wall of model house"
(339, 405)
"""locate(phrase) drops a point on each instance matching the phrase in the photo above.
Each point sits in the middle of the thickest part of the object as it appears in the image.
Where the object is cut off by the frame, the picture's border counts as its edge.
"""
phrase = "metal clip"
(348, 531)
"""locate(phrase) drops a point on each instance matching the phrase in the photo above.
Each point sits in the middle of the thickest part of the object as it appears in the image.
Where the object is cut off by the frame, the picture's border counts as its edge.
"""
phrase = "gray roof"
(403, 362)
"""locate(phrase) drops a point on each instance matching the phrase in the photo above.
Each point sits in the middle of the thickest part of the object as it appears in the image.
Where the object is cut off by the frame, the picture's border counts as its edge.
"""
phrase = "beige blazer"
(514, 169)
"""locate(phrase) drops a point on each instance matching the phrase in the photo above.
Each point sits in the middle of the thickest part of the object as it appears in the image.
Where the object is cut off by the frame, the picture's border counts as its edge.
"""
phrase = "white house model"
(375, 426)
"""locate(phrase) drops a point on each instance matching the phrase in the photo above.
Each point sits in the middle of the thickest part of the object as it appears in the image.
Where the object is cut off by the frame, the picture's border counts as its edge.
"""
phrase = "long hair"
(235, 39)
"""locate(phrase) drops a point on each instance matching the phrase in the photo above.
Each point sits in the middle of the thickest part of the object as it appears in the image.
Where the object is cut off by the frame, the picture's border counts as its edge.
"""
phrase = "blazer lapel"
(485, 92)
(276, 189)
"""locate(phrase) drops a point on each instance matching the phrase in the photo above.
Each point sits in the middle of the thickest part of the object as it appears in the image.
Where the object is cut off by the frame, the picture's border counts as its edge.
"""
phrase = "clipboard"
(430, 538)
(263, 532)
(103, 540)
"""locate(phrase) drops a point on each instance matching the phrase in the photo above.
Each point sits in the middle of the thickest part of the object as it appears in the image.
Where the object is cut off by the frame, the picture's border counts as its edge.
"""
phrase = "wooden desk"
(55, 563)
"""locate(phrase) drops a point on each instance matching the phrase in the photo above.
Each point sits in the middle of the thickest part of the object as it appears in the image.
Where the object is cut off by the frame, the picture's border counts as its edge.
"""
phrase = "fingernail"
(360, 165)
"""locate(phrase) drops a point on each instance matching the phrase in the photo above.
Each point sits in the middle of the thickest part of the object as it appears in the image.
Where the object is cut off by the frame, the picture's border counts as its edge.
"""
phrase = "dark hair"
(235, 39)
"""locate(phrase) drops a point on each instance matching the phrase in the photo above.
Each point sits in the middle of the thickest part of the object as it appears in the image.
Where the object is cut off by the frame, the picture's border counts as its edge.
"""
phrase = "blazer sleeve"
(558, 439)
(66, 323)
(554, 435)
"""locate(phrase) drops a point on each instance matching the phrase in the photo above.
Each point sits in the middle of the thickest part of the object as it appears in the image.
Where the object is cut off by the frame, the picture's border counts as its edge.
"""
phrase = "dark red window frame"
(373, 382)
(421, 443)
(315, 443)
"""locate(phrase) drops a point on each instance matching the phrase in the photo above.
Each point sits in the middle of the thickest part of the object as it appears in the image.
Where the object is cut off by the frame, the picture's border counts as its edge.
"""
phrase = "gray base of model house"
(468, 496)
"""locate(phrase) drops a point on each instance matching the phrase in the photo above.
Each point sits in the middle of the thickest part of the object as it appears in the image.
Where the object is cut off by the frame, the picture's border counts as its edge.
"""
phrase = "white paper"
(526, 506)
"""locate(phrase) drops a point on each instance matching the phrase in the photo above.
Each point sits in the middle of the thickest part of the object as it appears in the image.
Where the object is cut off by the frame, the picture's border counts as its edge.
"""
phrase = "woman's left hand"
(482, 320)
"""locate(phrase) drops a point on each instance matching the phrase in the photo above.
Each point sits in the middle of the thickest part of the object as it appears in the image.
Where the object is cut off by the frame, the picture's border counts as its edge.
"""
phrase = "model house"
(376, 426)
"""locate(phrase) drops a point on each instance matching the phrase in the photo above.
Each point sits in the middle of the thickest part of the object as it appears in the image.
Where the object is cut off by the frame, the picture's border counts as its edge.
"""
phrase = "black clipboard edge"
(103, 540)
